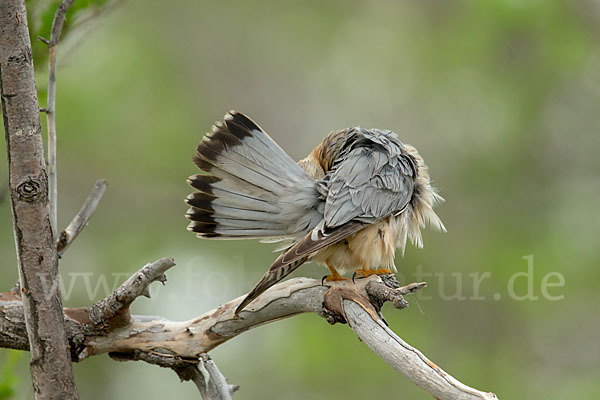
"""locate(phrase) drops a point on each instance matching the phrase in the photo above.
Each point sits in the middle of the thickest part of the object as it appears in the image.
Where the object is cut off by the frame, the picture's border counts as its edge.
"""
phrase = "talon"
(323, 280)
(353, 276)
(363, 272)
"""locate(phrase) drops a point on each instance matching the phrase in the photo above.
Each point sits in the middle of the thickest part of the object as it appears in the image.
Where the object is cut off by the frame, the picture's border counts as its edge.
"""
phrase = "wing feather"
(373, 180)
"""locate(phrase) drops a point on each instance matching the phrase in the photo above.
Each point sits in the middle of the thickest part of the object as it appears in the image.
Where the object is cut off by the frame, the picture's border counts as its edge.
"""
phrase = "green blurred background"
(502, 99)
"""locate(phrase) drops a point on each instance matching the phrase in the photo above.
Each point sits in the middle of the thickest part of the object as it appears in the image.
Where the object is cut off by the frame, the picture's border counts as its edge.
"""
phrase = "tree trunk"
(50, 364)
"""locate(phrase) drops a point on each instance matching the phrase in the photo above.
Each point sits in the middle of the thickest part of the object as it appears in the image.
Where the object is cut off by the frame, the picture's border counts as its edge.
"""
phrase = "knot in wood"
(29, 190)
(24, 57)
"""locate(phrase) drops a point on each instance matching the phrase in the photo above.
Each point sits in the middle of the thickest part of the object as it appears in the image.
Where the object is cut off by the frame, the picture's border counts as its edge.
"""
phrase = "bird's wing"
(368, 183)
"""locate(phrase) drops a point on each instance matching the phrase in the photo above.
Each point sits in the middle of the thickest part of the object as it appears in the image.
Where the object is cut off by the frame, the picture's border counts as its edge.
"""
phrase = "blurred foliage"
(501, 98)
(41, 15)
(8, 380)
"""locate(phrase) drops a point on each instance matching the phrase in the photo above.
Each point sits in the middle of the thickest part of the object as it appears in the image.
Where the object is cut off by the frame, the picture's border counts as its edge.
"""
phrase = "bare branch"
(57, 25)
(113, 311)
(50, 364)
(381, 293)
(202, 371)
(47, 43)
(59, 20)
(13, 333)
(180, 345)
(81, 219)
(210, 381)
(406, 359)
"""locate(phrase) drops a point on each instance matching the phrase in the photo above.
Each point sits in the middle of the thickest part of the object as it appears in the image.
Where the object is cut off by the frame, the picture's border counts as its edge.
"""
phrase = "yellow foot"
(368, 272)
(384, 271)
(335, 276)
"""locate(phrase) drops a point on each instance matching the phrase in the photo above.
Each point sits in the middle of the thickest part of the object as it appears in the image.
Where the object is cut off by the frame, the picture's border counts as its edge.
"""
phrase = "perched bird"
(349, 204)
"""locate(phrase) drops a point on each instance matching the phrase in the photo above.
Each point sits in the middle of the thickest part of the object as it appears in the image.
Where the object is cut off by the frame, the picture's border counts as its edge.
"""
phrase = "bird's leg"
(335, 276)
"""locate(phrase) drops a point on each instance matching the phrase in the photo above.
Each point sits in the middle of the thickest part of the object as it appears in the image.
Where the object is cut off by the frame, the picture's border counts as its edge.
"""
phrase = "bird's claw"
(332, 278)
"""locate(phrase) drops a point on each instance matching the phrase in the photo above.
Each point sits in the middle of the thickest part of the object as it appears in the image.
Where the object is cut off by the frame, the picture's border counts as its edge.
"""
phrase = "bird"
(357, 197)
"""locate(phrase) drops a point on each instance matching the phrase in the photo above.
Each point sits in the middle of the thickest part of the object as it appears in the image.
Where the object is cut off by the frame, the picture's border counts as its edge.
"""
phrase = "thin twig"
(59, 20)
(57, 25)
(81, 219)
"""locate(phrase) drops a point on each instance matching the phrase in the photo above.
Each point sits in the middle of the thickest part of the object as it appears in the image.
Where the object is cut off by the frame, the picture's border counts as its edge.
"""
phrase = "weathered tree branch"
(50, 365)
(105, 311)
(203, 372)
(109, 314)
(216, 387)
(406, 359)
(57, 25)
(81, 219)
(181, 345)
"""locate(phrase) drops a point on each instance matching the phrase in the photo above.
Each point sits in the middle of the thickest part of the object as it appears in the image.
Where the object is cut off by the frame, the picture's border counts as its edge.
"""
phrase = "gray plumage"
(372, 178)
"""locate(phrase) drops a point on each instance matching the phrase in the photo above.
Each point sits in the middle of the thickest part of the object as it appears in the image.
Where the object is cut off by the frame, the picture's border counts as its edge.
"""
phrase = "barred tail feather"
(253, 190)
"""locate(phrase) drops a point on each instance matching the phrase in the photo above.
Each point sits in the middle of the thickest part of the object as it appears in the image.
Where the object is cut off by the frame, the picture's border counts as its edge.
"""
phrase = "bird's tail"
(253, 188)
